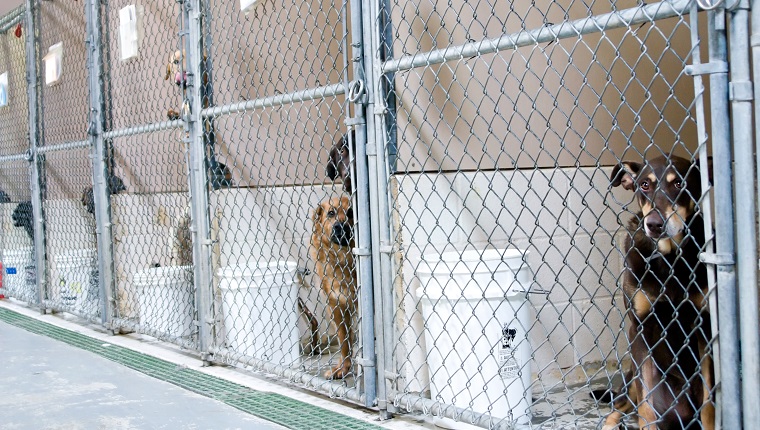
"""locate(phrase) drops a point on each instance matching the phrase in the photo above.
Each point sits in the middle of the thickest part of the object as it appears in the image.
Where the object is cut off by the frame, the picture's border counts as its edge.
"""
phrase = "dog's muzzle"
(659, 227)
(341, 234)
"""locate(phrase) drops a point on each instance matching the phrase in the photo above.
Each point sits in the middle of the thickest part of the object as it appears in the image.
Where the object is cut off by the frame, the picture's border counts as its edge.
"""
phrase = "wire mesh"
(518, 137)
(502, 166)
(281, 69)
(18, 271)
(145, 150)
(65, 165)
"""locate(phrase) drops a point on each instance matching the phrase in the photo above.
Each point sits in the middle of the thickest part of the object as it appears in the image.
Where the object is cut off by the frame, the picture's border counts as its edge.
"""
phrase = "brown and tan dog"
(665, 285)
(331, 249)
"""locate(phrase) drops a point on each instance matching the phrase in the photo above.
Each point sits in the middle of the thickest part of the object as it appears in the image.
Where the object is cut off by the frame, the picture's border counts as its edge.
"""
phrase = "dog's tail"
(314, 343)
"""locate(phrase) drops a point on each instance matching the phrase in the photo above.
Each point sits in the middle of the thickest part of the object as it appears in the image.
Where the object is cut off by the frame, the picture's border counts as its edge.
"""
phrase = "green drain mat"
(272, 407)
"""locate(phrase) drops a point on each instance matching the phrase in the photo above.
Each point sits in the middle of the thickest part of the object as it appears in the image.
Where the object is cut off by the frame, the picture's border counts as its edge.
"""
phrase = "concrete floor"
(46, 384)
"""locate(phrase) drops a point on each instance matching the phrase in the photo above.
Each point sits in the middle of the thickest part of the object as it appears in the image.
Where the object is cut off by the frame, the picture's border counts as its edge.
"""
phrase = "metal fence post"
(382, 275)
(36, 159)
(357, 94)
(100, 172)
(729, 388)
(194, 139)
(741, 93)
(706, 202)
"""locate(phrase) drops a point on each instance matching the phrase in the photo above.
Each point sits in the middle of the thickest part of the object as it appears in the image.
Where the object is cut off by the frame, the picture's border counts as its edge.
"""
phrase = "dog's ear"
(332, 163)
(625, 174)
(340, 157)
(168, 71)
(317, 216)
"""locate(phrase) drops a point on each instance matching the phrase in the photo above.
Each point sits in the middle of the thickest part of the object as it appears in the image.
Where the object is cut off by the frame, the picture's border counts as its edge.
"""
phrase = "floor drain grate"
(269, 406)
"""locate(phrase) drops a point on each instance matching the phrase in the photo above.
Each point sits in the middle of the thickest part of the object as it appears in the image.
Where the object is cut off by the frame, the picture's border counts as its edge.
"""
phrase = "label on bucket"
(508, 366)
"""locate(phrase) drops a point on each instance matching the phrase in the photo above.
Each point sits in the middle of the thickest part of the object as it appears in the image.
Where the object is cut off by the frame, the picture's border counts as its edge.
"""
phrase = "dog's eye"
(678, 184)
(331, 213)
(644, 185)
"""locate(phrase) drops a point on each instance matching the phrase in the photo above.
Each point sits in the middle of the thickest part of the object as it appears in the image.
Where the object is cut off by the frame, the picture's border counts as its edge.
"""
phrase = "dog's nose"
(654, 224)
(342, 234)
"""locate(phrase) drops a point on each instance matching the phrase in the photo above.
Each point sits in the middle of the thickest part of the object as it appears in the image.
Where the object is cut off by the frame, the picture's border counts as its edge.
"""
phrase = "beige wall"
(250, 60)
(14, 116)
(556, 104)
(8, 5)
(580, 101)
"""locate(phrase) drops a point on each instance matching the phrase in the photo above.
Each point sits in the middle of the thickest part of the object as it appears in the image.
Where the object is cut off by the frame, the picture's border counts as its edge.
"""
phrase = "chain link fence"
(501, 187)
(419, 207)
(17, 224)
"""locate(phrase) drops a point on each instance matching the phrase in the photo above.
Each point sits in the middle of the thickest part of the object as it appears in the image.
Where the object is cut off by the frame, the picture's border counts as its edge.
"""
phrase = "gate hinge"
(740, 91)
(717, 259)
(355, 121)
(707, 68)
(362, 252)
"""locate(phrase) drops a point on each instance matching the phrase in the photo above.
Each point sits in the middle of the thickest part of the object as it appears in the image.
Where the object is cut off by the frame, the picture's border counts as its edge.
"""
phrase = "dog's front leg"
(707, 414)
(341, 318)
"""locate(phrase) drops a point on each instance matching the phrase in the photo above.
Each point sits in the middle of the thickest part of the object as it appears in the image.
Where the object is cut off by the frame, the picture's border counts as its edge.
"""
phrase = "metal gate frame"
(382, 149)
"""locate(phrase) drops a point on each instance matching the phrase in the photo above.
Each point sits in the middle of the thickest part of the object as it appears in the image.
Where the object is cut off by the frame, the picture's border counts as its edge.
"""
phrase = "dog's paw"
(172, 114)
(339, 371)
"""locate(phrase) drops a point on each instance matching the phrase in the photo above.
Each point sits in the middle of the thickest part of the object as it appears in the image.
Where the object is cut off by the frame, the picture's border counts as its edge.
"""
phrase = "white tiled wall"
(566, 219)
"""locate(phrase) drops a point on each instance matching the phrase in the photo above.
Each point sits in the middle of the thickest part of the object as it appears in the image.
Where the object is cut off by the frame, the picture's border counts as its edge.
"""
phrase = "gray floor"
(45, 384)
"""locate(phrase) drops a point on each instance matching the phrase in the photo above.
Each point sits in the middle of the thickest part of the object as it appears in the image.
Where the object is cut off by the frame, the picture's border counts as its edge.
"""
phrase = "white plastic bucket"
(75, 284)
(166, 299)
(476, 316)
(260, 313)
(15, 264)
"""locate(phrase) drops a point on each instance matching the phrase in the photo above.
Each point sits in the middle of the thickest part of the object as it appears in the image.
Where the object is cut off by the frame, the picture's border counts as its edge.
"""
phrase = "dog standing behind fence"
(331, 249)
(665, 286)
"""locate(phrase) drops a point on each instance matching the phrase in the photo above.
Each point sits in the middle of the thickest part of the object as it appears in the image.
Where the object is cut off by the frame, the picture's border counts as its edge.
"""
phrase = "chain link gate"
(268, 134)
(145, 154)
(476, 145)
(503, 275)
(17, 242)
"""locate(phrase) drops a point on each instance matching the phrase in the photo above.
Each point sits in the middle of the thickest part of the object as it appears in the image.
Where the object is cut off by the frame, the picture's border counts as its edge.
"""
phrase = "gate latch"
(706, 68)
(717, 259)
